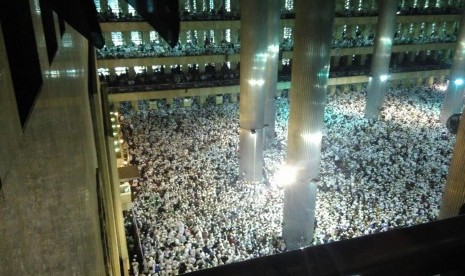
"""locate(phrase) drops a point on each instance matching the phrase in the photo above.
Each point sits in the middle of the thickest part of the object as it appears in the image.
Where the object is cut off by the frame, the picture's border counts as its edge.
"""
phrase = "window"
(426, 4)
(287, 33)
(103, 71)
(136, 37)
(285, 61)
(97, 5)
(194, 5)
(67, 40)
(187, 5)
(154, 37)
(212, 36)
(139, 69)
(347, 4)
(188, 36)
(114, 6)
(131, 10)
(117, 38)
(410, 30)
(204, 5)
(227, 35)
(156, 68)
(120, 70)
(227, 5)
(195, 37)
(289, 5)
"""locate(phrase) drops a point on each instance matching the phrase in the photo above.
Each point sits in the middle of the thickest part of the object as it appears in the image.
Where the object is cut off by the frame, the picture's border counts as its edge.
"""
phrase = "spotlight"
(458, 81)
(383, 77)
(285, 176)
(253, 131)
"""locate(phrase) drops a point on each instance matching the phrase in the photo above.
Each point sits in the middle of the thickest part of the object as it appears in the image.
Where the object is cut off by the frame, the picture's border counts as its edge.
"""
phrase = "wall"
(49, 218)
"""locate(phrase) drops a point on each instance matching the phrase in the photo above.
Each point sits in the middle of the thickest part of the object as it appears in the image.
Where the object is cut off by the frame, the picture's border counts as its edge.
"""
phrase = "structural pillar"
(203, 99)
(135, 105)
(381, 57)
(453, 100)
(233, 98)
(332, 90)
(336, 61)
(169, 102)
(271, 74)
(123, 6)
(430, 80)
(435, 55)
(399, 58)
(108, 40)
(103, 6)
(349, 59)
(363, 59)
(254, 80)
(453, 197)
(310, 72)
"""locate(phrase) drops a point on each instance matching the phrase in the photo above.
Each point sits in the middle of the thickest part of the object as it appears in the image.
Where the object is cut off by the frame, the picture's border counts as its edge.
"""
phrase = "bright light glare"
(258, 82)
(385, 40)
(458, 81)
(383, 77)
(313, 137)
(285, 176)
(273, 48)
(442, 87)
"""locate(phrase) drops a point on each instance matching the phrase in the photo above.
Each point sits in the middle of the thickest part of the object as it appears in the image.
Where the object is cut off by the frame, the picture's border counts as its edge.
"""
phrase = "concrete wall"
(49, 218)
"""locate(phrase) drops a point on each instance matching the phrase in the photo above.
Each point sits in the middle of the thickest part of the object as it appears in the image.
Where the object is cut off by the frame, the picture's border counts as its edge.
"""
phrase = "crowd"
(193, 212)
(227, 75)
(218, 14)
(164, 50)
(424, 39)
(175, 78)
(228, 48)
(222, 14)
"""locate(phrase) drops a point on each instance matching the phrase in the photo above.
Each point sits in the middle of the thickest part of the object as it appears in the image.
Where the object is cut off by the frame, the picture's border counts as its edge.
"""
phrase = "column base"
(453, 102)
(375, 97)
(299, 214)
(270, 117)
(251, 154)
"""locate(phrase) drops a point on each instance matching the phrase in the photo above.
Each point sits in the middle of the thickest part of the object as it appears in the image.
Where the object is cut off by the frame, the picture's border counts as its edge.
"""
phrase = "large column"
(253, 83)
(103, 5)
(310, 72)
(454, 191)
(123, 5)
(381, 57)
(453, 100)
(272, 70)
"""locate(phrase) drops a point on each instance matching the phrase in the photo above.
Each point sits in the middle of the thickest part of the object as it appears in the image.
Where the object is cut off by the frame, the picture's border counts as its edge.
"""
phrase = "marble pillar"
(381, 58)
(310, 72)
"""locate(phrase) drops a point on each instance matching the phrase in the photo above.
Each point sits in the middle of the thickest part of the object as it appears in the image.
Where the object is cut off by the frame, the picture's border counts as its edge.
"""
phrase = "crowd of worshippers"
(193, 212)
(222, 14)
(155, 49)
(228, 74)
(177, 76)
(195, 48)
(206, 15)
